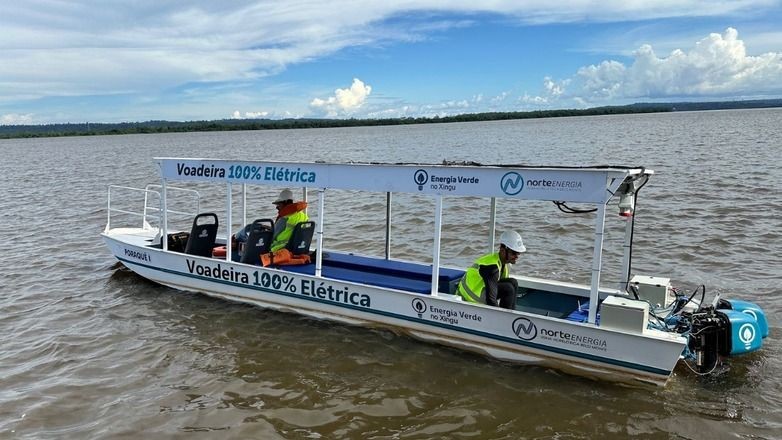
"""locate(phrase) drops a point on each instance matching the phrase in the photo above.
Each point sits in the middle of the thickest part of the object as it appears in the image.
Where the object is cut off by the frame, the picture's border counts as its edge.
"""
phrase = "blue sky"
(114, 61)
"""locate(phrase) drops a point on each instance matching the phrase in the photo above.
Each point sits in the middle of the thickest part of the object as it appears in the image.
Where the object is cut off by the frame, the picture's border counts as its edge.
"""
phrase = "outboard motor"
(750, 309)
(707, 339)
(731, 328)
(742, 334)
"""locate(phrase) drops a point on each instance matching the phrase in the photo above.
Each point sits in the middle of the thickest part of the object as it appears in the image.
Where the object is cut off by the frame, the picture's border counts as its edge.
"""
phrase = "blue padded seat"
(364, 277)
(448, 279)
(380, 272)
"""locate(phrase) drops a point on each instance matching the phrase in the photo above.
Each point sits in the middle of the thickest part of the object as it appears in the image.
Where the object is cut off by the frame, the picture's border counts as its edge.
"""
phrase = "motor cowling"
(750, 309)
(741, 335)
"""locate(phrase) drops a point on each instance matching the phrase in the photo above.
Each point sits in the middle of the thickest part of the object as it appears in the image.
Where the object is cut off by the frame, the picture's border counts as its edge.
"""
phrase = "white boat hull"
(513, 336)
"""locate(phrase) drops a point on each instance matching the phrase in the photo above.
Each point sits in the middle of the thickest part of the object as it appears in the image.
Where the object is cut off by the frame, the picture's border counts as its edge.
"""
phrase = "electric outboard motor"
(742, 333)
(750, 309)
(729, 330)
(707, 339)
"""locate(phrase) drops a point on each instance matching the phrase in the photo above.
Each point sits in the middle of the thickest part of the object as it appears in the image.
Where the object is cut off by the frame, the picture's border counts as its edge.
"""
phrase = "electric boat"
(636, 331)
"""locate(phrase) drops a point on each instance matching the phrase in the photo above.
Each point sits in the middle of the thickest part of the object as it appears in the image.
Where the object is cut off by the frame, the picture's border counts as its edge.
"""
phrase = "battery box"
(656, 290)
(624, 314)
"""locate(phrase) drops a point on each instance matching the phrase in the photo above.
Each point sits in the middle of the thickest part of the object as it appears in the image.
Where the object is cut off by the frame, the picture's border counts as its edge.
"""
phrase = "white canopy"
(594, 185)
(585, 185)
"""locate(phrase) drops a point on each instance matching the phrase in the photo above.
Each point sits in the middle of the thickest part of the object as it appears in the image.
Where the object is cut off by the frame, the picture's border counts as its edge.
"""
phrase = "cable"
(632, 226)
(568, 210)
(716, 362)
(692, 295)
(653, 313)
(634, 289)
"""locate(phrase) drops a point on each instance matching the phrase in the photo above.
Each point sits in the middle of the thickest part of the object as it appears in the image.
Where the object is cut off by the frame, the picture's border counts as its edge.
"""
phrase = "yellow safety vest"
(471, 287)
(283, 229)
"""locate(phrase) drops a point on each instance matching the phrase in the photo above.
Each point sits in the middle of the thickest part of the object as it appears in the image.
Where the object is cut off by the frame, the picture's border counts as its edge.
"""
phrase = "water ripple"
(93, 351)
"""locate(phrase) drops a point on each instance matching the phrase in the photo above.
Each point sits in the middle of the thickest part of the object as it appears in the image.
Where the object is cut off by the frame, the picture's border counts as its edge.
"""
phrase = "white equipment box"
(656, 290)
(624, 314)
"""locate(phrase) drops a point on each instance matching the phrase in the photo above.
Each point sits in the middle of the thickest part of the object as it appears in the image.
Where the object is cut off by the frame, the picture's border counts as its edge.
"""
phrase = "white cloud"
(499, 98)
(441, 109)
(551, 92)
(344, 101)
(536, 100)
(394, 112)
(249, 115)
(152, 53)
(82, 47)
(553, 88)
(16, 119)
(716, 66)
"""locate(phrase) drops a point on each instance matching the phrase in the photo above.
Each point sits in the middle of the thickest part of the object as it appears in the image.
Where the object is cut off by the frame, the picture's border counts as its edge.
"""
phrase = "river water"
(90, 350)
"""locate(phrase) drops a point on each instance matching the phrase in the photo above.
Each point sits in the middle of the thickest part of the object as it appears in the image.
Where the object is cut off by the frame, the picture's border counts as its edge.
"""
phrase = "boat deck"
(416, 277)
(412, 277)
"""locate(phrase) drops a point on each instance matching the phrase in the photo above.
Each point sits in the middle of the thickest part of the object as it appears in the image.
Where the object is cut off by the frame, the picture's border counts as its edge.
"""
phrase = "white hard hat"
(285, 194)
(512, 241)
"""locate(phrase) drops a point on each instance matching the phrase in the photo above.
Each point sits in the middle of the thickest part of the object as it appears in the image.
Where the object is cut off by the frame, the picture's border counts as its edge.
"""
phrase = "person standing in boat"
(487, 280)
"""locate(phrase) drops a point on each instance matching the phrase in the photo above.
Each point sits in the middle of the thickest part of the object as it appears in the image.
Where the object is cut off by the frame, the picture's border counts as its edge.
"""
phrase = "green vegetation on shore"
(92, 129)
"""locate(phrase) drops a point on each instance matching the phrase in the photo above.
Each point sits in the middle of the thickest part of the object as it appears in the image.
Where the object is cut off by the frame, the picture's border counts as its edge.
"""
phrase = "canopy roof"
(568, 184)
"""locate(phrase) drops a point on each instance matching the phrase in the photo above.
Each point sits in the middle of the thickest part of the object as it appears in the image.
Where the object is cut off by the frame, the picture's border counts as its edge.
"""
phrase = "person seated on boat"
(289, 214)
(487, 281)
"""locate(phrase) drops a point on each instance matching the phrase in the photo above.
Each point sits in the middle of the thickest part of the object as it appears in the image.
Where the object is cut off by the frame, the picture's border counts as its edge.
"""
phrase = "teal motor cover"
(743, 333)
(752, 310)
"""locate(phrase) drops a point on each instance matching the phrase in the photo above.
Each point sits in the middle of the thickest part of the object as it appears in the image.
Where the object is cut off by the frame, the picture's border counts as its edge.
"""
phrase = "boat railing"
(176, 194)
(150, 212)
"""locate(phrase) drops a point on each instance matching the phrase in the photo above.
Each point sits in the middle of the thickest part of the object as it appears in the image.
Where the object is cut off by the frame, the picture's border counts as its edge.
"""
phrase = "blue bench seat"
(364, 277)
(380, 272)
(448, 278)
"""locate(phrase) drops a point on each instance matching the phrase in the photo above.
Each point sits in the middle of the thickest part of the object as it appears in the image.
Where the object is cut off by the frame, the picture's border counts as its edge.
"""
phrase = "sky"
(126, 61)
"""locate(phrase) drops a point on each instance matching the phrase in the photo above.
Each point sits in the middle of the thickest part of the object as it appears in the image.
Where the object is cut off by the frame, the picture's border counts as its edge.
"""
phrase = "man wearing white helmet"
(289, 214)
(487, 280)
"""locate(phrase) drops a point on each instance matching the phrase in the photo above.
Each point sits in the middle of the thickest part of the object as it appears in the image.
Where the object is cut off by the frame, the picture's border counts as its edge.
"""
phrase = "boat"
(635, 332)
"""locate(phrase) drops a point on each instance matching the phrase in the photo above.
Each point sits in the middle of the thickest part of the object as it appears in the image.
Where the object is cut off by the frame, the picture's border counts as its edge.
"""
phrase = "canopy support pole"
(244, 204)
(597, 263)
(492, 223)
(228, 249)
(164, 214)
(143, 214)
(388, 225)
(438, 223)
(108, 213)
(304, 199)
(319, 232)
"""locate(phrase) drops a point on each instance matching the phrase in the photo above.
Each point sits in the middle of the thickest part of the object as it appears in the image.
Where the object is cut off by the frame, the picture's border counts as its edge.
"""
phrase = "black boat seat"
(259, 241)
(202, 235)
(301, 238)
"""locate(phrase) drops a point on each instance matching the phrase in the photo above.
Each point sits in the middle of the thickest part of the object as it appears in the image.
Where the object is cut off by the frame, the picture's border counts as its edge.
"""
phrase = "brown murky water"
(90, 350)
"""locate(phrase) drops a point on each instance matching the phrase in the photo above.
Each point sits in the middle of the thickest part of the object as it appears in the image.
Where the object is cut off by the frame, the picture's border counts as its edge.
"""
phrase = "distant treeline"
(713, 105)
(92, 128)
